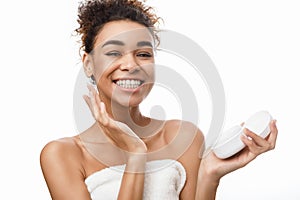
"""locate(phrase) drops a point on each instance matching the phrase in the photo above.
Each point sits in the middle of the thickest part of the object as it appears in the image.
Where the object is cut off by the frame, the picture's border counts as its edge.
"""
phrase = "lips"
(129, 83)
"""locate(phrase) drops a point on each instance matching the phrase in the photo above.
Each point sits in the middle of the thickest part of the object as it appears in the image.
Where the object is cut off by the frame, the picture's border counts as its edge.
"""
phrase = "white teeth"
(129, 84)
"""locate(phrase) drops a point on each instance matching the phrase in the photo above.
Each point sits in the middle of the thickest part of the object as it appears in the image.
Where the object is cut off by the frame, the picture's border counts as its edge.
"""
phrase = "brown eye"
(144, 54)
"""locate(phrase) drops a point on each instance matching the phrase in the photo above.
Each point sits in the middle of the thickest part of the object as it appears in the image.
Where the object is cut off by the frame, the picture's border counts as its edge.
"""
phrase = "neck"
(128, 115)
(133, 118)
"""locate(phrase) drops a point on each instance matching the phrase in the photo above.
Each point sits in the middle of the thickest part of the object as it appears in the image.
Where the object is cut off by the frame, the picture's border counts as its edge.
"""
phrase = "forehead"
(127, 31)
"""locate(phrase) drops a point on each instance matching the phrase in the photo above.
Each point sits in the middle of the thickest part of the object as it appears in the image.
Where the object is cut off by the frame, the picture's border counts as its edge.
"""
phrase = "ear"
(87, 64)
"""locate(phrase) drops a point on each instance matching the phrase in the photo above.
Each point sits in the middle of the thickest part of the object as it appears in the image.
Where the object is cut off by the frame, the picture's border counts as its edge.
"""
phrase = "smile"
(129, 83)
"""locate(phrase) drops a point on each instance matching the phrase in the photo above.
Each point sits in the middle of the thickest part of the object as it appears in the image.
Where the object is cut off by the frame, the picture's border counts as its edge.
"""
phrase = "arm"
(190, 160)
(206, 185)
(132, 185)
(60, 162)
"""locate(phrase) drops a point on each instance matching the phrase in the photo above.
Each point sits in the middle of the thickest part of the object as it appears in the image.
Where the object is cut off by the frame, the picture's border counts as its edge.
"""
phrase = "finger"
(94, 106)
(92, 93)
(252, 146)
(92, 89)
(98, 101)
(96, 96)
(255, 138)
(255, 143)
(273, 135)
(98, 107)
(246, 155)
(105, 119)
(89, 103)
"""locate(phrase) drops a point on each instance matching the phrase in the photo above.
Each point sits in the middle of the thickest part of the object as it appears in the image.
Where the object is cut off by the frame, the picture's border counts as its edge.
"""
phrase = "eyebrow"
(144, 43)
(120, 43)
(115, 42)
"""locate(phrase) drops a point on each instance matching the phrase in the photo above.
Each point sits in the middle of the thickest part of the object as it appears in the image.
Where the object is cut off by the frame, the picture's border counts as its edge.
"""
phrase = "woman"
(118, 40)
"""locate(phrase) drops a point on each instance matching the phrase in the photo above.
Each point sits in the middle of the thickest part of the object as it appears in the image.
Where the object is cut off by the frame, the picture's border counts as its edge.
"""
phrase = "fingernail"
(102, 105)
(247, 137)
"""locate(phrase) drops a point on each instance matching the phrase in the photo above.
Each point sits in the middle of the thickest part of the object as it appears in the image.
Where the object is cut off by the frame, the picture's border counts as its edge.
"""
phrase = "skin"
(133, 139)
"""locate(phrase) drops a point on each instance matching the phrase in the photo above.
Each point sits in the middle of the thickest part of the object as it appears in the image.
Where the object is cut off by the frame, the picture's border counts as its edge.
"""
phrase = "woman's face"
(123, 62)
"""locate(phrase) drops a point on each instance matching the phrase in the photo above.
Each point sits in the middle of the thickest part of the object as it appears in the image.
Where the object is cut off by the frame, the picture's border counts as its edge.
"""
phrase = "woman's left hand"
(255, 145)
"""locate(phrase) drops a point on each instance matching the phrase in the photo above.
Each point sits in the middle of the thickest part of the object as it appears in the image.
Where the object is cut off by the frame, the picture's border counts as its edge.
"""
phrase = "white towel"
(164, 180)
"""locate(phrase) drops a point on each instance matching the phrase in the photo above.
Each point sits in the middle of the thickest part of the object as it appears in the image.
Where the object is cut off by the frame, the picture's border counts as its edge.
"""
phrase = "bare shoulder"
(185, 139)
(61, 153)
(186, 129)
(60, 148)
(61, 163)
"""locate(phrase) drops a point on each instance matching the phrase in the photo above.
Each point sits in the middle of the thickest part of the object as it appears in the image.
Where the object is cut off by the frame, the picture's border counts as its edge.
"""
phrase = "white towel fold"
(164, 180)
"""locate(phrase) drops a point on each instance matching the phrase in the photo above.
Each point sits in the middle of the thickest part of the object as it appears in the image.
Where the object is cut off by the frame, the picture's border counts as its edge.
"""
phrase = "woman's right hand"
(117, 132)
(132, 184)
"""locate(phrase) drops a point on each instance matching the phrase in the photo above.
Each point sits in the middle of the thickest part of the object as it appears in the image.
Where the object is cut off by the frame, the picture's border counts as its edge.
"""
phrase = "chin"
(132, 102)
(132, 98)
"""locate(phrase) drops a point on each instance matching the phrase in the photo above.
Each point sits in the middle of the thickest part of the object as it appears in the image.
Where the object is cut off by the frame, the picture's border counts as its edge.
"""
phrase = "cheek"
(101, 68)
(150, 71)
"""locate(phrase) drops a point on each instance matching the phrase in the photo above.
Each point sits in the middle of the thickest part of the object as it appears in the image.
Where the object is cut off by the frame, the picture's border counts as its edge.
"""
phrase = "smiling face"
(122, 63)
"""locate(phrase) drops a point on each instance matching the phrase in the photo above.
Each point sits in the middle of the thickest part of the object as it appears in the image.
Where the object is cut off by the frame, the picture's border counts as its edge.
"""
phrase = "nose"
(129, 63)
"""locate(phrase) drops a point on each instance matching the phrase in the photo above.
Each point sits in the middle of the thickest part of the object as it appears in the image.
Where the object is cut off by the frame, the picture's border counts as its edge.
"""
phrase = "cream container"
(230, 141)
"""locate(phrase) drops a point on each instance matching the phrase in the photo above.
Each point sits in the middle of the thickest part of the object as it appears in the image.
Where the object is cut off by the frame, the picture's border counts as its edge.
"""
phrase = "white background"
(254, 44)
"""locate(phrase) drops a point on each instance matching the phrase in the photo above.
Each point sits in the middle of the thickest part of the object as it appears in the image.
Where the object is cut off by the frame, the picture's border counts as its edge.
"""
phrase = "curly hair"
(94, 14)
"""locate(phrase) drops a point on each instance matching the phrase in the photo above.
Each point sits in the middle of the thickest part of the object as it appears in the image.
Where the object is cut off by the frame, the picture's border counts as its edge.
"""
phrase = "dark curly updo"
(94, 14)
